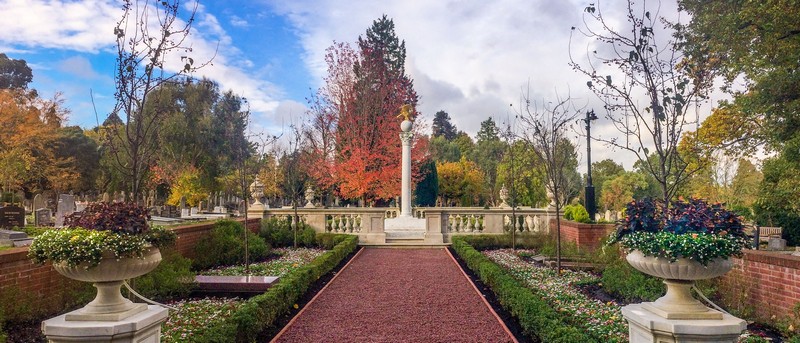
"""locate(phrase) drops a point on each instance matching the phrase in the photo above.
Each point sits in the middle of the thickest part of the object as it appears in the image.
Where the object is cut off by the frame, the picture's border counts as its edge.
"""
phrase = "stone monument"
(309, 197)
(405, 227)
(504, 197)
(38, 202)
(65, 207)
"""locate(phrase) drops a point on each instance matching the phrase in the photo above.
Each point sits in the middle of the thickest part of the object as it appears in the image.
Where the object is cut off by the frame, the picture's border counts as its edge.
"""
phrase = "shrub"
(172, 278)
(624, 282)
(524, 240)
(33, 231)
(119, 217)
(568, 212)
(278, 233)
(259, 313)
(576, 212)
(225, 246)
(538, 319)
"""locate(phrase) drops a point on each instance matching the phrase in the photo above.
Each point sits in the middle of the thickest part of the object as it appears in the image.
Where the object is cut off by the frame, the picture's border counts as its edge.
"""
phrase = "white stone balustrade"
(444, 222)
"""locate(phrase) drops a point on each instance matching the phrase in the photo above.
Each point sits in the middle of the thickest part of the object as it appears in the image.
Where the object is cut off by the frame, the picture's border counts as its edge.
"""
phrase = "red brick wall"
(763, 282)
(585, 236)
(48, 292)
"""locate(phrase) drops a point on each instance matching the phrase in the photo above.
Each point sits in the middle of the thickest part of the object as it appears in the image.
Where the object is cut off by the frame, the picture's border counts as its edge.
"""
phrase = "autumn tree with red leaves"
(353, 134)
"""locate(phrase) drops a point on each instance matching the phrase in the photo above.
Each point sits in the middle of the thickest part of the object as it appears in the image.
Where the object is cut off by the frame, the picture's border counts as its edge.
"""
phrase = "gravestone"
(106, 197)
(183, 202)
(80, 206)
(608, 216)
(776, 243)
(12, 216)
(65, 207)
(43, 217)
(38, 202)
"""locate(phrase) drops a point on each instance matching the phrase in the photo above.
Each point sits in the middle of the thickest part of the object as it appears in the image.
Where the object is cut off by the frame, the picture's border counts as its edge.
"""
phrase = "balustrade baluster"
(350, 221)
(471, 220)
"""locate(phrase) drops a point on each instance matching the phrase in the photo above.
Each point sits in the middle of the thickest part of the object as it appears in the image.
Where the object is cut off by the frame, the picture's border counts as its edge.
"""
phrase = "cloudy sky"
(471, 58)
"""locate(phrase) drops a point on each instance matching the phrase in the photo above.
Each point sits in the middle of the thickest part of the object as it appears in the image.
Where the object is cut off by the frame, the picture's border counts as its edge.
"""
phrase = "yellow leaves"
(459, 179)
(271, 175)
(27, 136)
(187, 185)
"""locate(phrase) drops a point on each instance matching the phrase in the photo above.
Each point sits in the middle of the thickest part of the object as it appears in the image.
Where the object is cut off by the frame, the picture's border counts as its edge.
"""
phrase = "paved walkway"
(397, 295)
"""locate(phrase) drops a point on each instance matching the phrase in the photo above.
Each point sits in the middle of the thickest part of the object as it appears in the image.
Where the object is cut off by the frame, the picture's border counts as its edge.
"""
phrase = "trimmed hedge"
(260, 312)
(536, 317)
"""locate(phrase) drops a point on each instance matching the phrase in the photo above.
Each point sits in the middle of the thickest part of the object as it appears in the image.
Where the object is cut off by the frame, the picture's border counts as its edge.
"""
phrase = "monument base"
(645, 326)
(404, 228)
(144, 327)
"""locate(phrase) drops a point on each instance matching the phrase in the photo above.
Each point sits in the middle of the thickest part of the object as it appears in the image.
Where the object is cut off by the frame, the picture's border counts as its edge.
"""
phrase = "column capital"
(405, 137)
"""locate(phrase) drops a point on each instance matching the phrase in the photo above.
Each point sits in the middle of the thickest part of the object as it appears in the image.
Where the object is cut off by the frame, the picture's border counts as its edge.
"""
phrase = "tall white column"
(405, 193)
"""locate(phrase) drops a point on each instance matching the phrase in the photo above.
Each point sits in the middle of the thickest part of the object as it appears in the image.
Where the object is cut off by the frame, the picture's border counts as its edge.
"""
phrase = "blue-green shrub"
(225, 246)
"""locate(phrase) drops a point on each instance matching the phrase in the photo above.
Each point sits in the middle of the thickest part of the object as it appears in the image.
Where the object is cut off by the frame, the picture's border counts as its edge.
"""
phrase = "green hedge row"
(259, 313)
(536, 317)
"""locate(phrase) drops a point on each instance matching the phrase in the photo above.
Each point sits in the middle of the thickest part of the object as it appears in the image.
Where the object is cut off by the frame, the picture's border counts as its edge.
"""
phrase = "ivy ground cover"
(288, 259)
(194, 315)
(602, 320)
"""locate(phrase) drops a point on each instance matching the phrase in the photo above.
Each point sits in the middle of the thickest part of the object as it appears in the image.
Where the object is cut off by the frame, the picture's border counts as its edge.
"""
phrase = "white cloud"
(469, 58)
(238, 21)
(78, 66)
(86, 26)
(56, 24)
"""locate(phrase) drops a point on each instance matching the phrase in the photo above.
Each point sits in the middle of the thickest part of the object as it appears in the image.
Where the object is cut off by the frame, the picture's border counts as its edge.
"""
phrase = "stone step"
(406, 244)
(405, 234)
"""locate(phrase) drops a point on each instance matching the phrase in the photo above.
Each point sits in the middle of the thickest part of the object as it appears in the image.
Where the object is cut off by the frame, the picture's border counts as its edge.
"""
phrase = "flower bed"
(538, 319)
(602, 321)
(261, 312)
(192, 316)
(288, 260)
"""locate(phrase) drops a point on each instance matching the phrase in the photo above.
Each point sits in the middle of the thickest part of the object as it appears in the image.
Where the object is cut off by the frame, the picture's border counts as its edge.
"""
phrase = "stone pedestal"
(256, 210)
(144, 327)
(646, 326)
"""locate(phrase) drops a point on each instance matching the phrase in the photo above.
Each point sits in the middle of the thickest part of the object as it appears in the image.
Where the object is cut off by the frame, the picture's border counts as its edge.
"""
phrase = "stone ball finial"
(405, 126)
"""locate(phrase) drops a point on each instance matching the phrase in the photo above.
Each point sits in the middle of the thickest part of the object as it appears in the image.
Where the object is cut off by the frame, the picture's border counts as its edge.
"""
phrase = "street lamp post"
(591, 207)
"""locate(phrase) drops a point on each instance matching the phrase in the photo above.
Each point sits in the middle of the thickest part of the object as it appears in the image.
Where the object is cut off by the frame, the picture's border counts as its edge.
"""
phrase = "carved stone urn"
(679, 276)
(109, 304)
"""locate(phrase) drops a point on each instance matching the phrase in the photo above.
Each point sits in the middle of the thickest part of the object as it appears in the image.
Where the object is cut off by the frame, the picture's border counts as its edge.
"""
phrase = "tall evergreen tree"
(442, 127)
(382, 42)
(14, 73)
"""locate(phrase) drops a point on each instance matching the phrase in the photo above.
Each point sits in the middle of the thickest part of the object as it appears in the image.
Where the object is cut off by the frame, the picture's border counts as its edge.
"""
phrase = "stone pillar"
(144, 327)
(405, 194)
(645, 326)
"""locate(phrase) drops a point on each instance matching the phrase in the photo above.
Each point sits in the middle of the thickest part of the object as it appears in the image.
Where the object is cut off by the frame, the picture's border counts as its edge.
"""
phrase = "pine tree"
(442, 127)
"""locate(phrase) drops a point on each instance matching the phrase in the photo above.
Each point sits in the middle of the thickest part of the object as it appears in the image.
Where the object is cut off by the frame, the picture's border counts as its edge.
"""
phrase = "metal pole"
(591, 207)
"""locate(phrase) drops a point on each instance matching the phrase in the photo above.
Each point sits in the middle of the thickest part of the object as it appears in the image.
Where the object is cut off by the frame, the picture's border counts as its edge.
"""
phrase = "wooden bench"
(765, 231)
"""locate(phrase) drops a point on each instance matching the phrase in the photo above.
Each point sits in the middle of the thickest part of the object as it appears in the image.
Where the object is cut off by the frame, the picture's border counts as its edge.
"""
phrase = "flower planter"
(679, 276)
(109, 304)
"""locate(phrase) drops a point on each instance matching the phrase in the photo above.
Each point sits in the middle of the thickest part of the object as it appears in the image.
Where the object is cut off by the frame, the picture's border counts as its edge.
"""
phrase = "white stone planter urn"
(679, 276)
(109, 304)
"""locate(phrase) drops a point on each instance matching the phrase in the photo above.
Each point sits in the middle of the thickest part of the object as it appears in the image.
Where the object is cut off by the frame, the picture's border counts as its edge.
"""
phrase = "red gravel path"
(398, 295)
